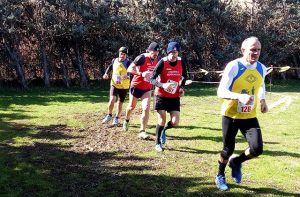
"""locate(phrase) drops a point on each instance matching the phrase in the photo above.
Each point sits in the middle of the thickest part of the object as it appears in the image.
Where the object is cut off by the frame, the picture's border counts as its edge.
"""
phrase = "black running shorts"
(137, 93)
(121, 93)
(167, 104)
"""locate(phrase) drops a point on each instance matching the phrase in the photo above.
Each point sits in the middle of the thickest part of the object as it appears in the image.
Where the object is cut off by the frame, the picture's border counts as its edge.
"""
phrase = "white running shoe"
(143, 135)
(158, 148)
(107, 119)
(125, 125)
(115, 121)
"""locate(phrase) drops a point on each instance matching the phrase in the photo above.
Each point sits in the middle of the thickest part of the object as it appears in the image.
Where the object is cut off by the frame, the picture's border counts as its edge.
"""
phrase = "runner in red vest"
(140, 87)
(169, 77)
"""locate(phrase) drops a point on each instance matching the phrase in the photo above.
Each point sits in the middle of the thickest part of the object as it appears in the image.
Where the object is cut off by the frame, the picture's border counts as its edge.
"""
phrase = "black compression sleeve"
(110, 67)
(184, 74)
(157, 70)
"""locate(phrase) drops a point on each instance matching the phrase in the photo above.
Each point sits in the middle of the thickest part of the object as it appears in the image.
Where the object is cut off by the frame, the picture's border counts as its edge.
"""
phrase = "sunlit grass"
(33, 153)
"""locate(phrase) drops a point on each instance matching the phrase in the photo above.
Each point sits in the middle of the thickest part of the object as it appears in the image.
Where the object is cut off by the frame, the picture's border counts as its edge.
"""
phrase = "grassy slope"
(39, 164)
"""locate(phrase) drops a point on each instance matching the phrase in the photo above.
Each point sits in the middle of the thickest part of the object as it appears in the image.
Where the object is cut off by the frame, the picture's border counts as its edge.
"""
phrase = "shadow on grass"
(219, 139)
(190, 127)
(54, 132)
(265, 190)
(281, 153)
(193, 150)
(266, 142)
(43, 97)
(8, 130)
(16, 115)
(46, 168)
(199, 137)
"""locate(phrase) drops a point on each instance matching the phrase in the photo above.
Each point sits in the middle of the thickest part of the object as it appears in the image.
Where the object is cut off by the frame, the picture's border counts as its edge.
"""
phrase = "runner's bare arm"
(108, 70)
(133, 69)
(135, 65)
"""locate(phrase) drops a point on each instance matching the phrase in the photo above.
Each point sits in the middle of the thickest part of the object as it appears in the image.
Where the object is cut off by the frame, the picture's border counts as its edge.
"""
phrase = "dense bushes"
(67, 41)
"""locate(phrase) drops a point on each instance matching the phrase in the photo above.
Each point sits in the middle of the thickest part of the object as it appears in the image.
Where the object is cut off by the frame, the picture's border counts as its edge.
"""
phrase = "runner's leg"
(161, 117)
(229, 130)
(175, 116)
(122, 95)
(112, 100)
(131, 106)
(146, 98)
(251, 131)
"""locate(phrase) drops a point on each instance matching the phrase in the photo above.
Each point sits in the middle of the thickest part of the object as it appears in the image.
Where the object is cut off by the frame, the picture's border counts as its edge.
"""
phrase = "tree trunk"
(79, 60)
(65, 71)
(45, 65)
(295, 62)
(17, 65)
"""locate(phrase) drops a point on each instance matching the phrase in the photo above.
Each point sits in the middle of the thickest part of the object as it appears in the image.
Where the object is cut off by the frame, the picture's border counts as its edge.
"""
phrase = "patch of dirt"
(101, 141)
(100, 137)
(85, 159)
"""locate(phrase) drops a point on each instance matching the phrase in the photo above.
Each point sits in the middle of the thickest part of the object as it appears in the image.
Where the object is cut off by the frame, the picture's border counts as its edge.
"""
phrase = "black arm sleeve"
(157, 70)
(110, 67)
(184, 74)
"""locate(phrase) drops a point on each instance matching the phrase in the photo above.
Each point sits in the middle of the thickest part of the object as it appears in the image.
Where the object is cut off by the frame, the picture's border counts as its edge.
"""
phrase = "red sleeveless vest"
(170, 74)
(138, 81)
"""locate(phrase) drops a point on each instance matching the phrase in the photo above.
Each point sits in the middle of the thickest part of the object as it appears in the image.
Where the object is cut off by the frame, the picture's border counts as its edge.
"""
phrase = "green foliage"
(210, 32)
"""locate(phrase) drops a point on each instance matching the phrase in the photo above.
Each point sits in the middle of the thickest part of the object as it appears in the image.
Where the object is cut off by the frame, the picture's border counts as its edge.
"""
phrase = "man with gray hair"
(242, 88)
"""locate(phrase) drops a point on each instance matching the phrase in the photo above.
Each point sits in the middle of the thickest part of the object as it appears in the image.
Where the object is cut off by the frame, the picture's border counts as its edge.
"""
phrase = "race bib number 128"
(242, 108)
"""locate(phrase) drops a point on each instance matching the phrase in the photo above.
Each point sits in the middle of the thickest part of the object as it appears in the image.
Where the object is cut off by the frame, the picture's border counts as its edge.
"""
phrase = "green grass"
(52, 144)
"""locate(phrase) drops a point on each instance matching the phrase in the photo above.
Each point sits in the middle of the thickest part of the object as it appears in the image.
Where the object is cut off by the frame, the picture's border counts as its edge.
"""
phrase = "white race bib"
(147, 75)
(117, 78)
(173, 88)
(243, 108)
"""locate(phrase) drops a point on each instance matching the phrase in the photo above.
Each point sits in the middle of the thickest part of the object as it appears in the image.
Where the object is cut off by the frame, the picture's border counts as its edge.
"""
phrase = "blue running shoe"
(236, 171)
(221, 183)
(163, 137)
